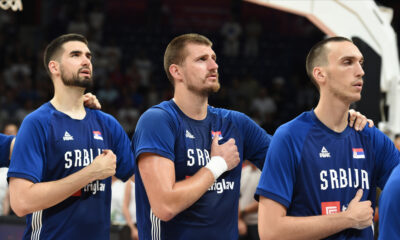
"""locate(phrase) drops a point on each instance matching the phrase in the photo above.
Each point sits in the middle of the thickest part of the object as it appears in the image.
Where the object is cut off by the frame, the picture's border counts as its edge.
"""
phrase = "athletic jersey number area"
(312, 170)
(49, 146)
(166, 131)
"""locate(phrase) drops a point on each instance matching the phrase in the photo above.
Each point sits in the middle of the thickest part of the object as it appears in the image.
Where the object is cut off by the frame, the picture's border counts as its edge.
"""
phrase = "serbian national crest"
(216, 133)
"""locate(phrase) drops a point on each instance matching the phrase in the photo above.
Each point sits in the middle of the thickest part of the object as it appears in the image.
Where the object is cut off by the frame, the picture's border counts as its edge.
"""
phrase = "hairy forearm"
(27, 197)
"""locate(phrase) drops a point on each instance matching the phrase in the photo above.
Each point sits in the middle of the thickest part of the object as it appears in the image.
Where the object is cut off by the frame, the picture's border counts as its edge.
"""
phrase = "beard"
(205, 91)
(75, 80)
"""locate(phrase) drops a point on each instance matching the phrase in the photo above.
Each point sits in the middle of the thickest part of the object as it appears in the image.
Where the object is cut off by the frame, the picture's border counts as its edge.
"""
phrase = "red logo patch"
(330, 207)
(77, 194)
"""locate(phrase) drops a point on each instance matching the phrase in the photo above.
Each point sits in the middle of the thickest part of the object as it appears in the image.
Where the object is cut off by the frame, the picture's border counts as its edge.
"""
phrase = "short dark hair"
(175, 54)
(318, 56)
(397, 136)
(52, 50)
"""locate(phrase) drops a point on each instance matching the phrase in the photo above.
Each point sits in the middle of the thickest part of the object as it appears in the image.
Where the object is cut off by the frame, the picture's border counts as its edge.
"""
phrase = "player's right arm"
(154, 148)
(27, 197)
(277, 185)
(166, 196)
(273, 223)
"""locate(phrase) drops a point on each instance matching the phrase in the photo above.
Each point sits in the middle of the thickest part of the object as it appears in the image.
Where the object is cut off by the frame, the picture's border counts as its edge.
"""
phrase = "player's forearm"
(181, 195)
(11, 147)
(127, 215)
(313, 227)
(27, 197)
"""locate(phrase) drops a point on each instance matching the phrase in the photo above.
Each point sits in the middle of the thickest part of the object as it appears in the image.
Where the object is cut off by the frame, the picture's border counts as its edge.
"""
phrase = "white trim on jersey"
(36, 225)
(155, 226)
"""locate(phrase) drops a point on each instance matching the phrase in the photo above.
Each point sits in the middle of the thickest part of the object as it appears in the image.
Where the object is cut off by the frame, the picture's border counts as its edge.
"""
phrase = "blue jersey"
(312, 170)
(389, 209)
(165, 130)
(50, 146)
(5, 142)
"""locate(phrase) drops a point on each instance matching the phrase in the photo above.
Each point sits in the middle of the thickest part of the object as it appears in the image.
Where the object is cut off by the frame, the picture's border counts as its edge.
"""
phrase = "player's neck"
(191, 105)
(69, 100)
(333, 114)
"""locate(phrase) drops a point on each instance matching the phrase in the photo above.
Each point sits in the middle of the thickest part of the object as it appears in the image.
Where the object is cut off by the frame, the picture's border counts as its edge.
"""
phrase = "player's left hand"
(358, 121)
(242, 227)
(90, 101)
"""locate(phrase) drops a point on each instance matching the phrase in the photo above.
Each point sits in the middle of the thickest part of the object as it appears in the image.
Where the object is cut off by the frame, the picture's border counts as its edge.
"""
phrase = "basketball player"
(187, 152)
(320, 176)
(63, 158)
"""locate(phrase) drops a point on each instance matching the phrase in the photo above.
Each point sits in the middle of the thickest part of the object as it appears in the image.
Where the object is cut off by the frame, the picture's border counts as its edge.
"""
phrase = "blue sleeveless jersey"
(49, 146)
(312, 170)
(5, 142)
(389, 208)
(165, 130)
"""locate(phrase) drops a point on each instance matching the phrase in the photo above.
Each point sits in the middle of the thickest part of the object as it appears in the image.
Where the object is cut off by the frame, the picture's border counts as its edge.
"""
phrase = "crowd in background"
(261, 71)
(261, 63)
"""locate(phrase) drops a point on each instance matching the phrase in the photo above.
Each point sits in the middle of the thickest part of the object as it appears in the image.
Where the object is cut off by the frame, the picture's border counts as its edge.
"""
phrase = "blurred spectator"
(248, 206)
(248, 88)
(96, 20)
(78, 24)
(306, 95)
(108, 94)
(263, 104)
(153, 97)
(128, 115)
(17, 71)
(397, 141)
(231, 31)
(10, 129)
(117, 198)
(112, 54)
(253, 31)
(4, 193)
(129, 208)
(144, 67)
(21, 113)
(5, 209)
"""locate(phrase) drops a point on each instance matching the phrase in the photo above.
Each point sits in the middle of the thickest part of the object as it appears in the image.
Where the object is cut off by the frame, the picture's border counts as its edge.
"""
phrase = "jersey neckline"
(66, 115)
(203, 121)
(320, 124)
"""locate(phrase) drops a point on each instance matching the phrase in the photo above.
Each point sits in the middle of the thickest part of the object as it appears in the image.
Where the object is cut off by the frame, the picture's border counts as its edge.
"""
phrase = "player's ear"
(175, 72)
(319, 74)
(54, 67)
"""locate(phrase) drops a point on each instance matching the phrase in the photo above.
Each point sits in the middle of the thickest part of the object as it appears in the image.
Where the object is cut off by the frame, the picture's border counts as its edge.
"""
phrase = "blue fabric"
(312, 170)
(50, 146)
(389, 208)
(166, 131)
(5, 142)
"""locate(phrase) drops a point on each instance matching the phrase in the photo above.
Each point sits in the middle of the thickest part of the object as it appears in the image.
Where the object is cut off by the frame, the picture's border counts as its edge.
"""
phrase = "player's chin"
(215, 88)
(354, 98)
